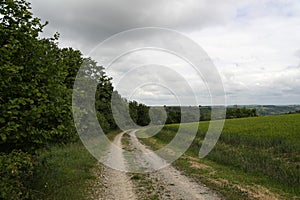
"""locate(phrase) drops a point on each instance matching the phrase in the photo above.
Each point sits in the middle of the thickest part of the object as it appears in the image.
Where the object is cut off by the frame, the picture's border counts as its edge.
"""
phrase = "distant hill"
(264, 110)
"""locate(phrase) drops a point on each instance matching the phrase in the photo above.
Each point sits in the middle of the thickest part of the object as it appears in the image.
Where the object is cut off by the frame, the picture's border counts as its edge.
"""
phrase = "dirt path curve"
(167, 183)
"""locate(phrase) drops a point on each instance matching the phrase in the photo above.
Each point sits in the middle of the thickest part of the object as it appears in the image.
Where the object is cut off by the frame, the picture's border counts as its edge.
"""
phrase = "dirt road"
(167, 183)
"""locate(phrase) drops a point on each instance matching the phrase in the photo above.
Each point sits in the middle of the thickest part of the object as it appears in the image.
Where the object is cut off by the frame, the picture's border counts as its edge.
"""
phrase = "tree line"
(174, 113)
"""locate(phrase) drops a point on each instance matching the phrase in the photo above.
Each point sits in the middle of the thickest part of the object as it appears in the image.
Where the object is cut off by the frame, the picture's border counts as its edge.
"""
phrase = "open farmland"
(261, 150)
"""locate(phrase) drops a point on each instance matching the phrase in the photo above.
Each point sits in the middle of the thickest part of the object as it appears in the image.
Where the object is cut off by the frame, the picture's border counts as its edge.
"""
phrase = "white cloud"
(255, 44)
(257, 56)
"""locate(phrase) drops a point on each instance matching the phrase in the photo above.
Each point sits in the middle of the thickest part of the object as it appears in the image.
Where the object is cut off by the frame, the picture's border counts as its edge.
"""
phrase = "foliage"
(16, 170)
(174, 113)
(139, 113)
(35, 82)
(103, 97)
(240, 112)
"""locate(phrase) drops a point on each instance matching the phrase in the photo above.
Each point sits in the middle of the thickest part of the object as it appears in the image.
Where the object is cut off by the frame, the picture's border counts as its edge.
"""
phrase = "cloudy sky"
(254, 44)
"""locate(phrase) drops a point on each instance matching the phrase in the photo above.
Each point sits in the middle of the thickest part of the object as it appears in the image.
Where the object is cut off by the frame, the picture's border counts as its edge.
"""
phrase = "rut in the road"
(118, 184)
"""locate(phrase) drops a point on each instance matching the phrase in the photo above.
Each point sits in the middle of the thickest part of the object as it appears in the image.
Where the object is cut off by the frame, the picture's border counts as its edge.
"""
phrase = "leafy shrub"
(16, 170)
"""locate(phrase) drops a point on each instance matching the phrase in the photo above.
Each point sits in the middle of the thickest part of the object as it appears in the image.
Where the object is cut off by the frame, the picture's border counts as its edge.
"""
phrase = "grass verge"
(62, 172)
(65, 172)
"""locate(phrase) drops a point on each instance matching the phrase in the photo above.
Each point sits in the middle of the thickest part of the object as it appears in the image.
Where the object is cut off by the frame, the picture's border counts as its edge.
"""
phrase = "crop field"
(261, 146)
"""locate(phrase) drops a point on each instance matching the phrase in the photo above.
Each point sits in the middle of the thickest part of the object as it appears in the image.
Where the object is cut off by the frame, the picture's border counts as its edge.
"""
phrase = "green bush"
(16, 170)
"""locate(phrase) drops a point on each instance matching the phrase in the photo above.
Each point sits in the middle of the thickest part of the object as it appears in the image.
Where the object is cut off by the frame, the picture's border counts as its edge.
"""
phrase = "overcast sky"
(254, 44)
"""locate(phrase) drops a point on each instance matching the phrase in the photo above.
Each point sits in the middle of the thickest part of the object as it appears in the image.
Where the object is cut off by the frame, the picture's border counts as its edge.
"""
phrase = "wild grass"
(62, 172)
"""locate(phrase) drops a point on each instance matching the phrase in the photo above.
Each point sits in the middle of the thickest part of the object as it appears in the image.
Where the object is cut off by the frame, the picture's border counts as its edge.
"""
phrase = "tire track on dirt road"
(177, 185)
(118, 185)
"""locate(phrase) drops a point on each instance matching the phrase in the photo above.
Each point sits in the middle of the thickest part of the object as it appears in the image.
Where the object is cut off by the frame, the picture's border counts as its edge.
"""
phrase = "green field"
(258, 150)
